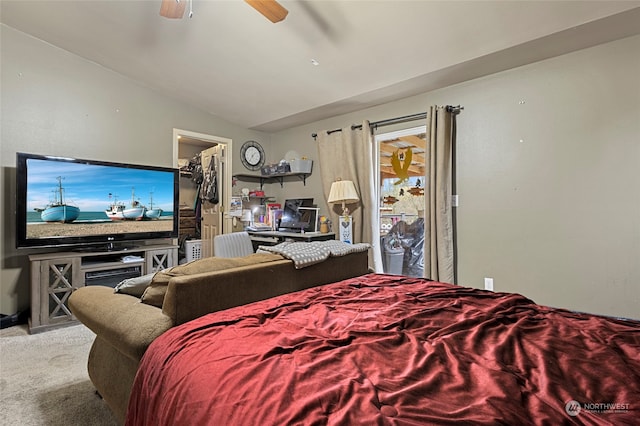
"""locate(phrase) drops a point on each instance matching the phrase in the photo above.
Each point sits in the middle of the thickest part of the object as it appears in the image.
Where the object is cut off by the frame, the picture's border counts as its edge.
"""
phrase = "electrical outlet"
(488, 284)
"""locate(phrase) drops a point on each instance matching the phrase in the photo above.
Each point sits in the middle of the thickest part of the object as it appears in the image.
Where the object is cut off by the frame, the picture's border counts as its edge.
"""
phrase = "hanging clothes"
(210, 183)
(195, 168)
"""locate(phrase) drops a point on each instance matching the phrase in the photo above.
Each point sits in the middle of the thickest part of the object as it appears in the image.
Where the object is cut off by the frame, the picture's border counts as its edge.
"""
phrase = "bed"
(384, 349)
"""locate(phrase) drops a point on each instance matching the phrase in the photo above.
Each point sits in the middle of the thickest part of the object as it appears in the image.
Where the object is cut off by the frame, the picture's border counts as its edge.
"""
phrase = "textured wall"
(56, 103)
(555, 217)
(548, 176)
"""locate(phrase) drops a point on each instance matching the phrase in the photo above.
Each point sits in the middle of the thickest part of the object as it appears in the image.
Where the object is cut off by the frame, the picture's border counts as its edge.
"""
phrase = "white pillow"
(134, 286)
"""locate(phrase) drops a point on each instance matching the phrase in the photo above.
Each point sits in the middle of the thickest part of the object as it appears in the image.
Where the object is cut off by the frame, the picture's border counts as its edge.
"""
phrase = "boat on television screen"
(62, 213)
(115, 209)
(136, 212)
(58, 210)
(152, 213)
(119, 211)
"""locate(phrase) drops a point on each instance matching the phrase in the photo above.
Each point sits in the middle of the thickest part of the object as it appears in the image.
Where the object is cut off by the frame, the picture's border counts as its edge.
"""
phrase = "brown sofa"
(125, 327)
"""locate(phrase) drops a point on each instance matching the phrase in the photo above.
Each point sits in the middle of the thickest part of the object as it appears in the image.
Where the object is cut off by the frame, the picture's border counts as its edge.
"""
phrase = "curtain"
(348, 154)
(438, 242)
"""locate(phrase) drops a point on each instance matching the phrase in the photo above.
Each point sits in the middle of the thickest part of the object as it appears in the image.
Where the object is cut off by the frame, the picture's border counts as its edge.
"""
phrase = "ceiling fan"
(271, 9)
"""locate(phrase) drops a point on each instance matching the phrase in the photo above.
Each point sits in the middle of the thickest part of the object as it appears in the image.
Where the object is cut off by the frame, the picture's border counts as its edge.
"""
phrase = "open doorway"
(202, 216)
(401, 182)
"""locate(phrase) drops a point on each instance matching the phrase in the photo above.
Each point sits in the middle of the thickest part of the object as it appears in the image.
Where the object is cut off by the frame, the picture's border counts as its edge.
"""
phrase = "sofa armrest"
(120, 319)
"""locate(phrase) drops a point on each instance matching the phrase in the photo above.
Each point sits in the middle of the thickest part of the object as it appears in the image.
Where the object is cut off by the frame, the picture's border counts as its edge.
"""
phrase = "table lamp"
(343, 192)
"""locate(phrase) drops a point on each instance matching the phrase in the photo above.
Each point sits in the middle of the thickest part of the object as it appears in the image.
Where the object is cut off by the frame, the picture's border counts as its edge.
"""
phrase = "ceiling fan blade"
(173, 9)
(271, 9)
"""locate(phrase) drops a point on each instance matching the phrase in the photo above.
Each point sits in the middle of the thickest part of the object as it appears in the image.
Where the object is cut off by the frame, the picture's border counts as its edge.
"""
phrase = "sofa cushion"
(154, 294)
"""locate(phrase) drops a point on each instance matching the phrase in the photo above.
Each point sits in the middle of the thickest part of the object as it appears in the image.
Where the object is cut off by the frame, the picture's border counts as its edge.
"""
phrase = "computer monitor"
(295, 220)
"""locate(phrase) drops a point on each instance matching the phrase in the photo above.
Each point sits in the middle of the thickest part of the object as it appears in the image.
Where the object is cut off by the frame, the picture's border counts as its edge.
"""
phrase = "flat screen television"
(294, 219)
(64, 201)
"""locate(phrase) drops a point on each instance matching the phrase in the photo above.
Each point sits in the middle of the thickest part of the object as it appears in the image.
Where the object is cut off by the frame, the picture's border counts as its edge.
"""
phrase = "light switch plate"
(488, 284)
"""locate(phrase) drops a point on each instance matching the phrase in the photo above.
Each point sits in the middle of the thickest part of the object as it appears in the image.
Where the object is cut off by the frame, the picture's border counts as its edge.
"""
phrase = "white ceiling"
(232, 62)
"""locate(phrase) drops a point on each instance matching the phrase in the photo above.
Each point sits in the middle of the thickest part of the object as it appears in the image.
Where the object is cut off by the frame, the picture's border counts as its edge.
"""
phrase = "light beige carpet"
(44, 380)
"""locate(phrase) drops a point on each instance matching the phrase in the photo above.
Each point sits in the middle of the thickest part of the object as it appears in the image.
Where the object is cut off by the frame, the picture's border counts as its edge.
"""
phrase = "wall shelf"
(268, 178)
(261, 200)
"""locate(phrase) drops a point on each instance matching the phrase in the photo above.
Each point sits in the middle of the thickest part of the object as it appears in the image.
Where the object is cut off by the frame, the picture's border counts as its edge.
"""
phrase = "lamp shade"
(343, 192)
(247, 216)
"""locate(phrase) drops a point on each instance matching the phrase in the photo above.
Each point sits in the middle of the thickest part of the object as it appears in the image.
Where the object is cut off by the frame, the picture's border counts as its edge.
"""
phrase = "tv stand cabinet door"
(159, 259)
(52, 282)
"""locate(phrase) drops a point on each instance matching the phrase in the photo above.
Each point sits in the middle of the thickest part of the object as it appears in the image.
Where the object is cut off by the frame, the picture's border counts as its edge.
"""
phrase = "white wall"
(56, 103)
(555, 217)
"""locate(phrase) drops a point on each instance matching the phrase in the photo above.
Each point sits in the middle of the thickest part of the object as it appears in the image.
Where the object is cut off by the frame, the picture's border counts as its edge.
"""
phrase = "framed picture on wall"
(235, 209)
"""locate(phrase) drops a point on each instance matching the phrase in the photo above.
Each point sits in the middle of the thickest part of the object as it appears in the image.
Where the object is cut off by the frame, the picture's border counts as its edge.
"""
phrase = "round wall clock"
(252, 155)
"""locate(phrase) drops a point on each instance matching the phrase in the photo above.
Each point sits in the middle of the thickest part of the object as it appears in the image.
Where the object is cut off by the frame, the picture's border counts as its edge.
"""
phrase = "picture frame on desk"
(309, 215)
(345, 229)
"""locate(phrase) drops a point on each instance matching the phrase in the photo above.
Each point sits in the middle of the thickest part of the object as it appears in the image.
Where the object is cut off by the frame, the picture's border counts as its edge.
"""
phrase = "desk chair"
(235, 244)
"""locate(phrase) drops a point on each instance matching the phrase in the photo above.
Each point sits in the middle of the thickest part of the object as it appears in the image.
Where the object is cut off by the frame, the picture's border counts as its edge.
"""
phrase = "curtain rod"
(397, 120)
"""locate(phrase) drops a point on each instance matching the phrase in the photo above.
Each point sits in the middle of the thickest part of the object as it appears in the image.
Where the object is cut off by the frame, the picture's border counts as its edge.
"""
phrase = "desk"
(271, 238)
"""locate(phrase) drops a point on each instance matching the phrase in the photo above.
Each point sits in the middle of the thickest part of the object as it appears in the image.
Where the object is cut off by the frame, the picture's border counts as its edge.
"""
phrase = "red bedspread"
(383, 349)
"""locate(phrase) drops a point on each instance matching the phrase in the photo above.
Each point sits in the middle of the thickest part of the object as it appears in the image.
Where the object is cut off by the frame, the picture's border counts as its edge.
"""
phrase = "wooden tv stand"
(54, 276)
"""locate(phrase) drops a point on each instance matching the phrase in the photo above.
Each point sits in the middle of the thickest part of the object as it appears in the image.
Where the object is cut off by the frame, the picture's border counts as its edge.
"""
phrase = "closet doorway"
(401, 179)
(196, 206)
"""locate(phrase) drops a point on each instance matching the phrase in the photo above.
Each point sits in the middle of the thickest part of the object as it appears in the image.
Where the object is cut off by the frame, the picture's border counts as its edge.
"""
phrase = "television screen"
(68, 201)
(294, 219)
